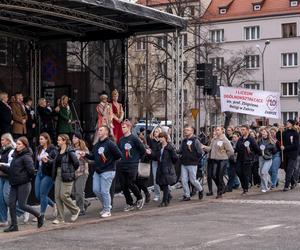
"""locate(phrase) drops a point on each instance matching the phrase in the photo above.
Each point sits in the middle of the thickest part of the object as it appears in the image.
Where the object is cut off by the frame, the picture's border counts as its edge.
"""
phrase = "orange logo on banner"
(195, 112)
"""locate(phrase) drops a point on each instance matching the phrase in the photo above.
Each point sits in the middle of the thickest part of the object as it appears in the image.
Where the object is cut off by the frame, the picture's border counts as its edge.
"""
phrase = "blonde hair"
(153, 131)
(9, 138)
(270, 138)
(81, 145)
(41, 100)
(2, 94)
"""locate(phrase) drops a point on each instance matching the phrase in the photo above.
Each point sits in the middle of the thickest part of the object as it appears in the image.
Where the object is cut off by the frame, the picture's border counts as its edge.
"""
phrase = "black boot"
(200, 195)
(147, 196)
(11, 228)
(40, 221)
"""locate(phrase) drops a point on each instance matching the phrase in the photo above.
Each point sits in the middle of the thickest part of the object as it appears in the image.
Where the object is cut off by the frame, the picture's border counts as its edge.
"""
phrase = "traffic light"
(204, 74)
(212, 88)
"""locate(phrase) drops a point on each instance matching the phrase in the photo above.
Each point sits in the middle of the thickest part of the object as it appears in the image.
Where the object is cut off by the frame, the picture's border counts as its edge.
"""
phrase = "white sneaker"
(102, 212)
(57, 221)
(26, 217)
(128, 208)
(74, 217)
(106, 214)
(140, 203)
(54, 210)
(35, 219)
(264, 191)
(156, 199)
(4, 224)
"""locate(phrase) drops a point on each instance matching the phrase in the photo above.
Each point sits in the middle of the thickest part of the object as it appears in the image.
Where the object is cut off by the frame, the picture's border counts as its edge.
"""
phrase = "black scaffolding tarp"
(82, 19)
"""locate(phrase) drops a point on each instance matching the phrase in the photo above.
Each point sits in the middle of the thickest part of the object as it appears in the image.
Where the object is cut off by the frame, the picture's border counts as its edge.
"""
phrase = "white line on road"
(270, 227)
(260, 202)
(232, 237)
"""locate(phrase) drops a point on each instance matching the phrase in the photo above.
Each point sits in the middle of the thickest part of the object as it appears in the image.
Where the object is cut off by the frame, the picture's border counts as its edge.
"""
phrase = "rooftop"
(244, 9)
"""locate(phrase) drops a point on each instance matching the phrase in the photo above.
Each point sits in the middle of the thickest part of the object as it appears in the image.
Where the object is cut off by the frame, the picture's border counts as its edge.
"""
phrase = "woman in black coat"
(20, 174)
(46, 117)
(166, 175)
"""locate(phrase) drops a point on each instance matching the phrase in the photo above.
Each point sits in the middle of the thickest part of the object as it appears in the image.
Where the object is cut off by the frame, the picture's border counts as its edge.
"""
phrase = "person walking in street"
(220, 150)
(246, 149)
(190, 153)
(132, 151)
(155, 146)
(19, 116)
(64, 166)
(43, 179)
(290, 149)
(276, 159)
(105, 153)
(81, 174)
(20, 173)
(5, 114)
(166, 175)
(267, 148)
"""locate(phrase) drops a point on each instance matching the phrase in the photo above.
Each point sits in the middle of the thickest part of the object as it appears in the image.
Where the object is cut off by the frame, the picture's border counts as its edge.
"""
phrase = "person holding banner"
(267, 149)
(290, 149)
(246, 148)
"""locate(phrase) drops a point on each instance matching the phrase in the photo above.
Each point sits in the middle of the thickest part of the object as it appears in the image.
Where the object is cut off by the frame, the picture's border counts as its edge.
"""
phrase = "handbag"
(144, 170)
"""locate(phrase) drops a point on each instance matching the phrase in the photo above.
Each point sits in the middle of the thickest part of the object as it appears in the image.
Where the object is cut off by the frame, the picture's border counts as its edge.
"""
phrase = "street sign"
(195, 112)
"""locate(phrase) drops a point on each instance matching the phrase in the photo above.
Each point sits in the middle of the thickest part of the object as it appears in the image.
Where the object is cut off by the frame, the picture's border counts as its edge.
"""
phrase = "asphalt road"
(258, 221)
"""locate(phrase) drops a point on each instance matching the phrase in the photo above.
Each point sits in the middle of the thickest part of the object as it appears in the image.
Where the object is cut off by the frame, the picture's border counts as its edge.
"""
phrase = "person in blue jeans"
(276, 159)
(43, 179)
(105, 153)
(6, 151)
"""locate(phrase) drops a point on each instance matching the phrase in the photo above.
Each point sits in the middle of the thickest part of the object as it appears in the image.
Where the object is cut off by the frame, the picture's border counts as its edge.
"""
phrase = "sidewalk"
(92, 216)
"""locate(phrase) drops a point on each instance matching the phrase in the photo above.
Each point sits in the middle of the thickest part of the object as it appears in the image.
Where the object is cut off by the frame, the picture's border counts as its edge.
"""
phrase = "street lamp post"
(262, 52)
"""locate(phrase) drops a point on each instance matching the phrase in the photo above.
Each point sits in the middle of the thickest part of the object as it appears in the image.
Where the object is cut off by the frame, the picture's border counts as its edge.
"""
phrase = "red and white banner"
(250, 102)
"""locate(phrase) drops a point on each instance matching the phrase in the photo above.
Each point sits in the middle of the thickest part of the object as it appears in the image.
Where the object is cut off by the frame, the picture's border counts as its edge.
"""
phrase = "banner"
(250, 102)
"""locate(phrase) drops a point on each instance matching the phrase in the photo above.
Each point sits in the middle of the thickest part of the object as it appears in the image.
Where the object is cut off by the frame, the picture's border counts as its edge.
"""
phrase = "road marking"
(259, 202)
(270, 227)
(232, 237)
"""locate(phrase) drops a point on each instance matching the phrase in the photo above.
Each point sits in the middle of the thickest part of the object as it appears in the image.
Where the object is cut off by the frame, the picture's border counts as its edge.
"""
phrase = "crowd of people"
(249, 157)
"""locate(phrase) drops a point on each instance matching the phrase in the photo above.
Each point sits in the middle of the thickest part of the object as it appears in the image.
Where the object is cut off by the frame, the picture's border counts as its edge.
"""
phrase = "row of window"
(253, 32)
(287, 88)
(253, 61)
(161, 42)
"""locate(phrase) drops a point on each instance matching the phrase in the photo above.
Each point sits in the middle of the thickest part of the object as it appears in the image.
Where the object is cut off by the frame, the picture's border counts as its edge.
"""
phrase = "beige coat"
(18, 114)
(220, 148)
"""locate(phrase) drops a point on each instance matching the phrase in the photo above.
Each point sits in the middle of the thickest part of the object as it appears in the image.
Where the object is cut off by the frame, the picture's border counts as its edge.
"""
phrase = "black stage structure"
(42, 21)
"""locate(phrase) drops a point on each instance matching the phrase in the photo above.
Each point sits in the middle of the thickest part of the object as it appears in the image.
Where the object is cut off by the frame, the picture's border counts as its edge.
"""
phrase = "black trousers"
(20, 194)
(142, 185)
(127, 180)
(244, 173)
(255, 178)
(211, 172)
(166, 193)
(218, 177)
(290, 172)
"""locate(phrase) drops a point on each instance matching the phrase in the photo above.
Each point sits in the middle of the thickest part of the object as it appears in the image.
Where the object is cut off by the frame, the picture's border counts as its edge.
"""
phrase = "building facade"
(266, 34)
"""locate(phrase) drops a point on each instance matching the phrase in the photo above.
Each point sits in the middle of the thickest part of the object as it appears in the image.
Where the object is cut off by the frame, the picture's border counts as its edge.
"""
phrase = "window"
(3, 51)
(252, 61)
(161, 68)
(256, 7)
(289, 30)
(141, 43)
(289, 89)
(222, 11)
(162, 42)
(289, 59)
(252, 33)
(217, 36)
(189, 11)
(251, 86)
(140, 70)
(217, 62)
(185, 40)
(289, 115)
(294, 3)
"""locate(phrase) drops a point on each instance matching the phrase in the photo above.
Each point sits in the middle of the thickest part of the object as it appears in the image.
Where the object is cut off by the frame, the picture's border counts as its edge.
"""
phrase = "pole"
(166, 82)
(263, 78)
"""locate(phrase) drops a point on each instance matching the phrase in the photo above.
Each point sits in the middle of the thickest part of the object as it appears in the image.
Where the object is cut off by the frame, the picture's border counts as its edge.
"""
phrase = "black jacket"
(21, 170)
(69, 164)
(290, 143)
(5, 119)
(106, 161)
(46, 168)
(155, 149)
(30, 121)
(243, 155)
(46, 116)
(193, 156)
(270, 149)
(166, 174)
